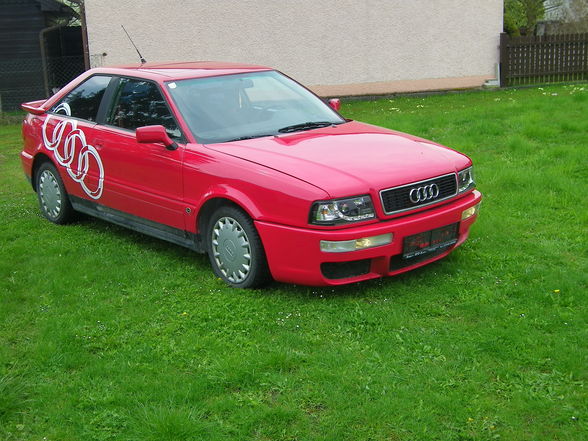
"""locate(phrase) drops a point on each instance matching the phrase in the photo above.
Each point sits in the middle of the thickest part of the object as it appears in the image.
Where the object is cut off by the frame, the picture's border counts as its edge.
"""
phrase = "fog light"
(343, 246)
(470, 212)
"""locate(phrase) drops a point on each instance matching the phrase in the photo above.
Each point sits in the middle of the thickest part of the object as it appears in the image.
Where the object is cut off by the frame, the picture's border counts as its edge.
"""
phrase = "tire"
(235, 249)
(53, 199)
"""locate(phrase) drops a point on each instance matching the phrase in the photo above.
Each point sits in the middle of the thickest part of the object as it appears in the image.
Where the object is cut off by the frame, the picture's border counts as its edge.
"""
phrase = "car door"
(144, 180)
(68, 133)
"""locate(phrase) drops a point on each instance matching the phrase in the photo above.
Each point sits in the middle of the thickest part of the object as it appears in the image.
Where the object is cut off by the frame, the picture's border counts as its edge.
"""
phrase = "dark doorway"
(41, 49)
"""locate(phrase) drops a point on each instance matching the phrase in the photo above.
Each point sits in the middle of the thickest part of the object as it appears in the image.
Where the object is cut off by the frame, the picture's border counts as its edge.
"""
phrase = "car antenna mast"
(143, 61)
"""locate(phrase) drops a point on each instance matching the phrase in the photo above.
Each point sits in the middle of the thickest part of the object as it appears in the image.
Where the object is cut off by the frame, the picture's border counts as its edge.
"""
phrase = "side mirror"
(335, 103)
(153, 134)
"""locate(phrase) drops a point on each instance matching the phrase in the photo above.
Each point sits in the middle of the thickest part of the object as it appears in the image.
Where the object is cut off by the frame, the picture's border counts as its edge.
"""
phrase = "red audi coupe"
(243, 163)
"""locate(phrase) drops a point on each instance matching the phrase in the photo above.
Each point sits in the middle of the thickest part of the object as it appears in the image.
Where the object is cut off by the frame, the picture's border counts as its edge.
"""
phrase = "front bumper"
(294, 254)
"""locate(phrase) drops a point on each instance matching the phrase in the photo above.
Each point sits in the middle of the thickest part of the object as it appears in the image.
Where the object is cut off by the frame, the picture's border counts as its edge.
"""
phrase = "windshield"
(242, 106)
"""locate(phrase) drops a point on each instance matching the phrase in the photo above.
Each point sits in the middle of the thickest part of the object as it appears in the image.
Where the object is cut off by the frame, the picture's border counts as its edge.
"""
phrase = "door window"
(140, 103)
(83, 102)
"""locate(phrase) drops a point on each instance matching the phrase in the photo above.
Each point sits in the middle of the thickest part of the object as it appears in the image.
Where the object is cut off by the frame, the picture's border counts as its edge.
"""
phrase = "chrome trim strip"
(415, 183)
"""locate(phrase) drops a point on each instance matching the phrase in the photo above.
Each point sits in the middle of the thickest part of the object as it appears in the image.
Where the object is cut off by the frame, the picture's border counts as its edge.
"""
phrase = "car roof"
(181, 70)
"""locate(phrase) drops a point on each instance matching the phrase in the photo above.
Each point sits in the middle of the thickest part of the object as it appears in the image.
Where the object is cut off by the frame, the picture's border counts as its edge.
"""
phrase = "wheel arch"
(211, 205)
(257, 272)
(40, 158)
(217, 196)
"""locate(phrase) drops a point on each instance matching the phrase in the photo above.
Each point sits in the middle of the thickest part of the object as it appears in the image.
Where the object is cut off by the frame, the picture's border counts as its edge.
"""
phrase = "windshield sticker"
(172, 85)
(73, 148)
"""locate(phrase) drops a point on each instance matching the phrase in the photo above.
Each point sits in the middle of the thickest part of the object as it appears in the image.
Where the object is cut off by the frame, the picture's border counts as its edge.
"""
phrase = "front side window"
(83, 102)
(139, 103)
(232, 107)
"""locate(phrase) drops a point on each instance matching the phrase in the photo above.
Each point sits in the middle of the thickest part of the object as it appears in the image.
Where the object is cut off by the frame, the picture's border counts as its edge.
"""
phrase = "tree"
(521, 16)
(572, 17)
(65, 12)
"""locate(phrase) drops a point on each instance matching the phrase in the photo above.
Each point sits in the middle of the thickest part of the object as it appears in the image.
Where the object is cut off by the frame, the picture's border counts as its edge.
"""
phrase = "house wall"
(339, 47)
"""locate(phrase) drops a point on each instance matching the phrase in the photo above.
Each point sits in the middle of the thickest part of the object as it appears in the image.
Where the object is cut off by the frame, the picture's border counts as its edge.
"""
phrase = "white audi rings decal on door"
(73, 147)
(424, 193)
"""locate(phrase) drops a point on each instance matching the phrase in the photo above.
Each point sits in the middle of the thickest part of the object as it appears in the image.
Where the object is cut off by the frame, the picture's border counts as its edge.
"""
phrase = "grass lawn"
(106, 334)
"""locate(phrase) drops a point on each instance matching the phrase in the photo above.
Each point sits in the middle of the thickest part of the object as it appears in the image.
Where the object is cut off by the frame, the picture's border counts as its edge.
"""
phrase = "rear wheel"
(235, 249)
(53, 198)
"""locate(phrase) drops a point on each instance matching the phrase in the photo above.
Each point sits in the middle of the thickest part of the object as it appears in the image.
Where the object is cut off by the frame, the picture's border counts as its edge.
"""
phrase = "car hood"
(349, 158)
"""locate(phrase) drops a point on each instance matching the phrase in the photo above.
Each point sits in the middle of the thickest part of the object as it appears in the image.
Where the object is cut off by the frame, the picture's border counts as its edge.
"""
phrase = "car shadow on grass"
(143, 241)
(394, 287)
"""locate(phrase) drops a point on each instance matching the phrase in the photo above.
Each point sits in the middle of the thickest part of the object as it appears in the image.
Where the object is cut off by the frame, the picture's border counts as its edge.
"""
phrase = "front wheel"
(53, 198)
(235, 249)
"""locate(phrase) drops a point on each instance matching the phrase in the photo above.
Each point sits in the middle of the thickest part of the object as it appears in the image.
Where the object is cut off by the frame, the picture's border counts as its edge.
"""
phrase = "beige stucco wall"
(337, 46)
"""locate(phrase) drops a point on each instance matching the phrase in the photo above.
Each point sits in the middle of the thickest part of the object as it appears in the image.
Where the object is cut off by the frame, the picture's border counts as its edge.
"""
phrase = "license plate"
(430, 241)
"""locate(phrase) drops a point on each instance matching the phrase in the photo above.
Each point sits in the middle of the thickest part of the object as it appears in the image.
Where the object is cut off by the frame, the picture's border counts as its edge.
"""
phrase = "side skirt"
(145, 226)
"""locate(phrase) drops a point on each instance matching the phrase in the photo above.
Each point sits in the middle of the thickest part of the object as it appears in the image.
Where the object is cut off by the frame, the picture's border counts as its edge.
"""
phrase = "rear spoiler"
(34, 107)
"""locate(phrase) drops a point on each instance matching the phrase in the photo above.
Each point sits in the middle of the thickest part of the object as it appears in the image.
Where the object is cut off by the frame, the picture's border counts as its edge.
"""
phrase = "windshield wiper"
(293, 128)
(241, 138)
(306, 126)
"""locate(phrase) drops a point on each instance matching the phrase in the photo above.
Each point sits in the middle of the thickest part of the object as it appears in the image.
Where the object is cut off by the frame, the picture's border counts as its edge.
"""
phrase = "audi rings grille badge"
(418, 194)
(423, 193)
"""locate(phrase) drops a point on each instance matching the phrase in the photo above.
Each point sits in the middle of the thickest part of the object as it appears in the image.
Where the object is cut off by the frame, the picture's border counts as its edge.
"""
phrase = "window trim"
(107, 100)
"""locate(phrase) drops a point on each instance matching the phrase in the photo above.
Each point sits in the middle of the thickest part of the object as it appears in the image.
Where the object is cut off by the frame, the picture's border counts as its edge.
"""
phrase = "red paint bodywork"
(274, 179)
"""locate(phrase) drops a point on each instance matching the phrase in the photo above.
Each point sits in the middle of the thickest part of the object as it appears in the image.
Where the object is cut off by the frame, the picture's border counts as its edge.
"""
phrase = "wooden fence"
(545, 59)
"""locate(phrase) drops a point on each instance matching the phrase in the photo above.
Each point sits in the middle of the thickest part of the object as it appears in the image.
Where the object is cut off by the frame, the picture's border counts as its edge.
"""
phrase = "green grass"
(14, 117)
(106, 334)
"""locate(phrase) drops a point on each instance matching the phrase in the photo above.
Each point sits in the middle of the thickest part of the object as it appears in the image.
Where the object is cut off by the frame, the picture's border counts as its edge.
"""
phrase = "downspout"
(44, 55)
(85, 48)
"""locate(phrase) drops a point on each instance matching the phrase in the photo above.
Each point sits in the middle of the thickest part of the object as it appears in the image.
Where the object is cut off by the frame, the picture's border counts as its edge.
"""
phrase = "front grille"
(397, 199)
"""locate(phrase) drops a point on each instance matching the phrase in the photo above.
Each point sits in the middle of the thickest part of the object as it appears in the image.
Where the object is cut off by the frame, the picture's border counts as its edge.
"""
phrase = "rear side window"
(139, 103)
(83, 102)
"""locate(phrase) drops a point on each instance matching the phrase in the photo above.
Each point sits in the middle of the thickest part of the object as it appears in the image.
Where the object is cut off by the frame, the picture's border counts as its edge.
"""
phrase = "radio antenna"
(143, 61)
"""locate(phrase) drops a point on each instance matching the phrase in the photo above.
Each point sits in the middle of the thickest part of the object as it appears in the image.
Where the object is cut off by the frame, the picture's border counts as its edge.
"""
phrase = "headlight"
(339, 211)
(465, 180)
